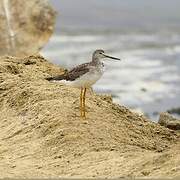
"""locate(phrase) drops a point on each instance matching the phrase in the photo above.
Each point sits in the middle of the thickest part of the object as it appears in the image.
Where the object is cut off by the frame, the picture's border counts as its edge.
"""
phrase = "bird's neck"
(96, 61)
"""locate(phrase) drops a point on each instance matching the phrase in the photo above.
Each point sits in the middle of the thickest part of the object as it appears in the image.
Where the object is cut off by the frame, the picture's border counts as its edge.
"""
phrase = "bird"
(84, 76)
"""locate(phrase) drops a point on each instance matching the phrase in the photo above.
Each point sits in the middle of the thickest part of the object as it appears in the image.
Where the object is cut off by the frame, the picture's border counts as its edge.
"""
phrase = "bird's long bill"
(111, 57)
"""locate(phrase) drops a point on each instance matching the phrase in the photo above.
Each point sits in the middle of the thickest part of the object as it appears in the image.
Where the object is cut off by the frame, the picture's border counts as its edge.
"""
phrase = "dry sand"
(42, 135)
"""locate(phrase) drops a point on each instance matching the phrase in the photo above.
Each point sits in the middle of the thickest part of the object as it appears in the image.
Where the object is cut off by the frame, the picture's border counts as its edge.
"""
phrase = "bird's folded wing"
(77, 72)
(71, 75)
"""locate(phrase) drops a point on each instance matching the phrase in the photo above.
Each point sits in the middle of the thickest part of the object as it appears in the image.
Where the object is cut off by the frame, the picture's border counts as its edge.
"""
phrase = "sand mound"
(42, 135)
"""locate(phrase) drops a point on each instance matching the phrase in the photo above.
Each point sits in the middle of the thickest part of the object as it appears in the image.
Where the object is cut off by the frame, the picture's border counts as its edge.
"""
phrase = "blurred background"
(144, 34)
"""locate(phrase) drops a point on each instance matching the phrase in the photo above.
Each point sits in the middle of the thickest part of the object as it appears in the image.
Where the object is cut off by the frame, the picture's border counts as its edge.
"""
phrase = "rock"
(25, 26)
(143, 89)
(174, 110)
(169, 121)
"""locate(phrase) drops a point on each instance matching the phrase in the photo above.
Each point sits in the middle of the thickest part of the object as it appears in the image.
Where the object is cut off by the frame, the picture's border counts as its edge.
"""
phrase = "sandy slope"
(42, 135)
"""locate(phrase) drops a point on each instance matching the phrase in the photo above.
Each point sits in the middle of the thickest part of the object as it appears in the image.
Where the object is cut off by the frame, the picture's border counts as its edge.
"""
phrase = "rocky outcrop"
(42, 135)
(174, 110)
(25, 26)
(167, 120)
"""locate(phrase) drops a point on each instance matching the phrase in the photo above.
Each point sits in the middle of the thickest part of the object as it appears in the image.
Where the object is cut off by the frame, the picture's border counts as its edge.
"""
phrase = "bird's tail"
(50, 78)
(57, 78)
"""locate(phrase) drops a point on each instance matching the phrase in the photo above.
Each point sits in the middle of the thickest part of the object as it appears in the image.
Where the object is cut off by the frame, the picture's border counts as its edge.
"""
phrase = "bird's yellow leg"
(81, 102)
(84, 104)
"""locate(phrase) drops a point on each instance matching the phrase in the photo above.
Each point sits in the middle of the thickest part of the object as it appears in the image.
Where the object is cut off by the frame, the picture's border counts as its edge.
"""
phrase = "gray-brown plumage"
(72, 74)
(82, 69)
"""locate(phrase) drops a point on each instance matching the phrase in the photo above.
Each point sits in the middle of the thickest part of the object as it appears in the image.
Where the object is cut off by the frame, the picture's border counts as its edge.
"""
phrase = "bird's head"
(100, 54)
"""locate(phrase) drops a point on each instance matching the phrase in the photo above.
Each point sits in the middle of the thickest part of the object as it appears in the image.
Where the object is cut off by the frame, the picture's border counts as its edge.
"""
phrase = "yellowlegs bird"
(84, 76)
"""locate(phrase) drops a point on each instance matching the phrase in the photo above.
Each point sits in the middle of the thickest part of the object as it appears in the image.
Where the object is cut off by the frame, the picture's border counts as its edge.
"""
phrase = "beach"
(43, 136)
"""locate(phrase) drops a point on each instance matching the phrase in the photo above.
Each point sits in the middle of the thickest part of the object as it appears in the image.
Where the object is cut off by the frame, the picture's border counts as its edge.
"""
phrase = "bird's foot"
(84, 118)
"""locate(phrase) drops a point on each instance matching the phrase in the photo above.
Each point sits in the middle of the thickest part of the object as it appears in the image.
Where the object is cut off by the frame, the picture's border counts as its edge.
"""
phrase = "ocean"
(147, 79)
